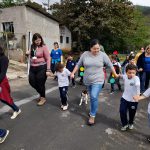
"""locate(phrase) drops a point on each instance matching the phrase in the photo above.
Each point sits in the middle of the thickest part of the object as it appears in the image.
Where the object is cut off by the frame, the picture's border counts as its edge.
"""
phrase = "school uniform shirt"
(63, 79)
(131, 88)
(70, 65)
(147, 94)
(56, 55)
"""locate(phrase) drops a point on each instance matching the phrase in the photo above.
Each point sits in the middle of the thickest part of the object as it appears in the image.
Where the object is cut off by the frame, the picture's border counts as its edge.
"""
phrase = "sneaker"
(74, 86)
(62, 106)
(131, 127)
(124, 128)
(15, 114)
(41, 102)
(2, 139)
(65, 107)
(148, 139)
(112, 92)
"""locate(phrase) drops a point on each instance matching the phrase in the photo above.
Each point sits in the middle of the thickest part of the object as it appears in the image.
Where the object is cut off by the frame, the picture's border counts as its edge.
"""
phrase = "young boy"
(137, 98)
(3, 135)
(70, 65)
(131, 88)
(63, 82)
(117, 67)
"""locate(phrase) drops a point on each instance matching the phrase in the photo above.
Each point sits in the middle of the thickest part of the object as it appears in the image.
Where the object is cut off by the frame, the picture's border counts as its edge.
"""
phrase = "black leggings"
(37, 79)
(13, 106)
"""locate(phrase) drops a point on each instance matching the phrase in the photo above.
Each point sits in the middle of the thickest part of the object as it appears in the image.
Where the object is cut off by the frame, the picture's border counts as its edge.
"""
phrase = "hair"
(1, 51)
(131, 67)
(114, 57)
(94, 42)
(59, 66)
(131, 57)
(148, 47)
(35, 37)
(56, 43)
(84, 91)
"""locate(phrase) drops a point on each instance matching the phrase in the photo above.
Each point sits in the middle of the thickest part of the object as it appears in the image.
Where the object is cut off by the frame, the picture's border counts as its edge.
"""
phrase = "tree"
(8, 3)
(111, 21)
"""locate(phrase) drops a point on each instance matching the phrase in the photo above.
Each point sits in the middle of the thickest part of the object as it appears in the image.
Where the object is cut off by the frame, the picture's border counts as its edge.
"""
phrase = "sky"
(135, 2)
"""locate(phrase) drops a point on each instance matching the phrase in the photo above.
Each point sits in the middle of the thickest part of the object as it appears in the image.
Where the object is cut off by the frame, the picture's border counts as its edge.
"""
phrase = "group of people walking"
(44, 64)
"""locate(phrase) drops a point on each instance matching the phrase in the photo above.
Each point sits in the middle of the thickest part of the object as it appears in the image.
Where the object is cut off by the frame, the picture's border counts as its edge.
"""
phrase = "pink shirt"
(43, 57)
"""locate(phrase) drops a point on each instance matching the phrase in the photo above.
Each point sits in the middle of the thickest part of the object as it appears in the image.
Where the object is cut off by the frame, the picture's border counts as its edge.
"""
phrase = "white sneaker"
(61, 106)
(124, 128)
(131, 127)
(65, 107)
(3, 138)
(15, 114)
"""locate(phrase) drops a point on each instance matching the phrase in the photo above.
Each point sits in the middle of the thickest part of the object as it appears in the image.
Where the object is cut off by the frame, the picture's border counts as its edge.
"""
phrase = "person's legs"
(32, 79)
(63, 95)
(142, 81)
(123, 112)
(73, 81)
(94, 91)
(112, 87)
(147, 80)
(13, 106)
(132, 111)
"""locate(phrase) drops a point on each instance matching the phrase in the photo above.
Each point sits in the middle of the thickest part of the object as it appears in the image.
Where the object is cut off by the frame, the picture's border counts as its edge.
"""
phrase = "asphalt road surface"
(49, 128)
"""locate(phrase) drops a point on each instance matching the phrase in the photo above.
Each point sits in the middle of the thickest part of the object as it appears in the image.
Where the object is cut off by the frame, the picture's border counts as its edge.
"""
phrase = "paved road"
(48, 128)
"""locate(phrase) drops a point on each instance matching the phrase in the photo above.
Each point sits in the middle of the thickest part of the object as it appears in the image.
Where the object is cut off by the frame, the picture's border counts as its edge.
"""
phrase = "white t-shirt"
(147, 94)
(131, 88)
(63, 79)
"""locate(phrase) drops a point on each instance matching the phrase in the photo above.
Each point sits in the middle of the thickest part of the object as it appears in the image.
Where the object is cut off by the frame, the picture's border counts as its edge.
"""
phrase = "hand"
(140, 70)
(27, 52)
(49, 73)
(72, 75)
(136, 98)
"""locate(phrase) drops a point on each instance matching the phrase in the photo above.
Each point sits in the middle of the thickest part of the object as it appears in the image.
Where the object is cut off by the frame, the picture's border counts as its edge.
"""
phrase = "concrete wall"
(48, 28)
(65, 32)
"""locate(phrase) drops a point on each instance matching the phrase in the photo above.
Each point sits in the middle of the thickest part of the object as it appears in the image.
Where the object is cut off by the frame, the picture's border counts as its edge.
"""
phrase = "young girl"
(137, 98)
(5, 96)
(63, 82)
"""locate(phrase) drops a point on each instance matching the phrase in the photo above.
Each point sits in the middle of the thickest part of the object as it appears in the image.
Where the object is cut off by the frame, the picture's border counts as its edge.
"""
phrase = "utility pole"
(47, 5)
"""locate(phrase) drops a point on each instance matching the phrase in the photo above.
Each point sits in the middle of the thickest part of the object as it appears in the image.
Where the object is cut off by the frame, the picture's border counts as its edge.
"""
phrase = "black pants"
(63, 95)
(13, 106)
(147, 78)
(113, 85)
(37, 79)
(126, 106)
(72, 80)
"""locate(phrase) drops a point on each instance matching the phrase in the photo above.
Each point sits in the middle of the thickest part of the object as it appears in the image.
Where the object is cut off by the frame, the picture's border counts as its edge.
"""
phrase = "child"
(3, 135)
(131, 88)
(63, 82)
(137, 98)
(70, 65)
(117, 67)
(5, 96)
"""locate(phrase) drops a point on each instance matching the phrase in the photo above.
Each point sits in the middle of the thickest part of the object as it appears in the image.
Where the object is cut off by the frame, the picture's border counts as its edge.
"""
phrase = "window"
(67, 40)
(8, 27)
(61, 39)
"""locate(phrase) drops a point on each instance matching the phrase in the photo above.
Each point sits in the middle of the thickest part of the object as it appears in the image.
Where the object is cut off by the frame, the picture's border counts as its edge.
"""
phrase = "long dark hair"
(94, 42)
(35, 37)
(1, 51)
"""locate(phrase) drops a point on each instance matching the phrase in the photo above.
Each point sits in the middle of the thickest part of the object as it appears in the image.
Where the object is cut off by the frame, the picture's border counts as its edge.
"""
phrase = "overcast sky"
(136, 2)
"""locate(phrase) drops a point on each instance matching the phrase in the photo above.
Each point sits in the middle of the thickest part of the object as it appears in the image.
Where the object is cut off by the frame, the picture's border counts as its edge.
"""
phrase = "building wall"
(65, 32)
(48, 28)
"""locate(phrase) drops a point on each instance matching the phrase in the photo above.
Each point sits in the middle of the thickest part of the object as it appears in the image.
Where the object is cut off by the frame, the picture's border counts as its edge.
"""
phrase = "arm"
(3, 66)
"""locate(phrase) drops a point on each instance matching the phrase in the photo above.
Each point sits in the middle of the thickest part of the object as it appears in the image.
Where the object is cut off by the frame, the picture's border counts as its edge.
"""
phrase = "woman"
(143, 64)
(5, 96)
(55, 57)
(93, 62)
(39, 66)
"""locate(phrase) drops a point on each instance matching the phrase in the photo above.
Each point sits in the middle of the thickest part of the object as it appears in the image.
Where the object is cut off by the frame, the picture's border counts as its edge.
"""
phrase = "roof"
(39, 9)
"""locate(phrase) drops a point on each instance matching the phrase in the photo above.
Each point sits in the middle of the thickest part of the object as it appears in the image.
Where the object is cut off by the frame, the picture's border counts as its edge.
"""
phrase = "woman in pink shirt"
(39, 66)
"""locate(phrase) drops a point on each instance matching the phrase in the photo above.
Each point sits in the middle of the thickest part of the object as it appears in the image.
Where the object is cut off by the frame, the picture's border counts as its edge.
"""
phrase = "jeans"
(94, 91)
(13, 106)
(2, 133)
(63, 95)
(126, 106)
